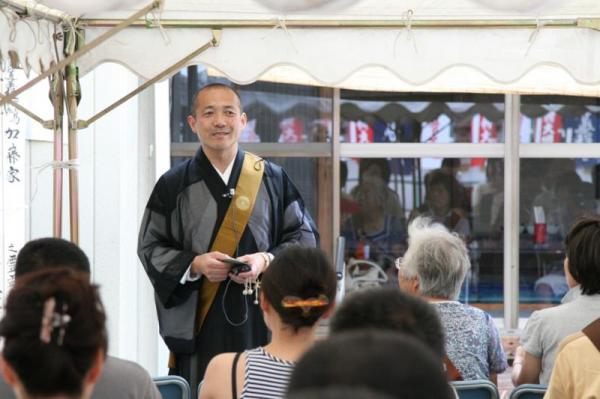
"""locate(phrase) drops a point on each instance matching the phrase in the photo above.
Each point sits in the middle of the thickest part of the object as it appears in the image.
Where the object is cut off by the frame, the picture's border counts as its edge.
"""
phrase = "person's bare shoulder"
(217, 379)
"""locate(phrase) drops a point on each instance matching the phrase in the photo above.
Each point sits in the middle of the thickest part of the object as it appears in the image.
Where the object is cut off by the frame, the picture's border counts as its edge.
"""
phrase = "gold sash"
(233, 225)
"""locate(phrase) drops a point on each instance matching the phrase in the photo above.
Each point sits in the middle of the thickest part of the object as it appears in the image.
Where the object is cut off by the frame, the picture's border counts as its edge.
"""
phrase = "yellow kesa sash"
(233, 225)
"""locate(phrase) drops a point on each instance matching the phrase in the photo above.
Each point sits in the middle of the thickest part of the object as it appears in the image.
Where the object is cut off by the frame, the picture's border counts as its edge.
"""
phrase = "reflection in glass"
(421, 118)
(554, 194)
(379, 196)
(277, 112)
(552, 119)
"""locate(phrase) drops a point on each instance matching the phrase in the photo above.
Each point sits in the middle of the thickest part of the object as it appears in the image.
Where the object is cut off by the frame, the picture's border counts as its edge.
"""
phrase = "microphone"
(229, 194)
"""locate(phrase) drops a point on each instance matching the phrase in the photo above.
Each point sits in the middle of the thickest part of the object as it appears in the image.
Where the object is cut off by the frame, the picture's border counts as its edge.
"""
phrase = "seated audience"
(434, 267)
(373, 233)
(388, 362)
(546, 328)
(576, 374)
(120, 379)
(391, 310)
(297, 290)
(54, 335)
(446, 203)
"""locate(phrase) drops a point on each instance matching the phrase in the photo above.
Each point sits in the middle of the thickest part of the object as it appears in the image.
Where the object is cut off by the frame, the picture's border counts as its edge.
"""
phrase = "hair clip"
(51, 320)
(305, 304)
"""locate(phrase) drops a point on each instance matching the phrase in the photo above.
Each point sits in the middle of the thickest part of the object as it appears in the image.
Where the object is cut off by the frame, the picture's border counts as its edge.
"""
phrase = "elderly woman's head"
(435, 263)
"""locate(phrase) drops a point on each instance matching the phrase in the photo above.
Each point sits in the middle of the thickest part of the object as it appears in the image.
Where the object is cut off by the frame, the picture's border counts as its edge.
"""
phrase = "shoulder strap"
(233, 225)
(451, 370)
(234, 375)
(592, 331)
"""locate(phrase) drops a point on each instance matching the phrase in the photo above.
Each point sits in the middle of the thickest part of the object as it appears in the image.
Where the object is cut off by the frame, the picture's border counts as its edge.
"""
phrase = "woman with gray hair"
(434, 267)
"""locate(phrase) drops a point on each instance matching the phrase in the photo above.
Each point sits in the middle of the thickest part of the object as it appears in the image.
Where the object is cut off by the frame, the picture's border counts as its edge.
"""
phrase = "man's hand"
(257, 262)
(210, 266)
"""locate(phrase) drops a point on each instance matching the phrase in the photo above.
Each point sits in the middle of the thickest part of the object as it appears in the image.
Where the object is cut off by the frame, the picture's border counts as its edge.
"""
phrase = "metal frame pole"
(56, 96)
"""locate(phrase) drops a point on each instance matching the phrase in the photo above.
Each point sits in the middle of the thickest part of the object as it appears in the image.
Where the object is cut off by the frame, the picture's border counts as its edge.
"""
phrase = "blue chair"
(173, 387)
(528, 391)
(476, 389)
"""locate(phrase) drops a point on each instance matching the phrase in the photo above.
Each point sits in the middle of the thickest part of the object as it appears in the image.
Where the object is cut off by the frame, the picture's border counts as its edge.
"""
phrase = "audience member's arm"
(217, 379)
(526, 368)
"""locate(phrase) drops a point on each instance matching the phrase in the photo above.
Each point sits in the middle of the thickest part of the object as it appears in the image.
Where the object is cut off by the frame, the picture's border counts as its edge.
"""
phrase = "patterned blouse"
(472, 340)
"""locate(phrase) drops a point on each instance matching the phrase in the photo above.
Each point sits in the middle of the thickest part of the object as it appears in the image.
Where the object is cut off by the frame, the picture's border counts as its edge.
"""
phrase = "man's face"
(218, 120)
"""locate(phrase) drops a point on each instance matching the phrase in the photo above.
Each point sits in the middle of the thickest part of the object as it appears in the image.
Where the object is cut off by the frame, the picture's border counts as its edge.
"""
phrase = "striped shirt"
(265, 376)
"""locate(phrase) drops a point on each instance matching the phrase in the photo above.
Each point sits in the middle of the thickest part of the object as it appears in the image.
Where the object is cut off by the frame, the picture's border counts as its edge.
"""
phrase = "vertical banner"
(12, 213)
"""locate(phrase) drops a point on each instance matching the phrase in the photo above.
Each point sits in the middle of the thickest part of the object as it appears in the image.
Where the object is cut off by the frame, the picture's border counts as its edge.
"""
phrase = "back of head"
(339, 392)
(582, 247)
(50, 252)
(394, 364)
(53, 330)
(438, 258)
(391, 310)
(300, 284)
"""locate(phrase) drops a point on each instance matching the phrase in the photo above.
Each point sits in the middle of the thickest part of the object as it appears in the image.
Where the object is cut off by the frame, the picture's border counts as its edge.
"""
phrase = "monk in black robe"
(179, 227)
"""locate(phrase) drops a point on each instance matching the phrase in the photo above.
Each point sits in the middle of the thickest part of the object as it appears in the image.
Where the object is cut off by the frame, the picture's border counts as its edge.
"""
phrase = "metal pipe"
(335, 156)
(56, 96)
(511, 211)
(46, 124)
(291, 22)
(36, 10)
(72, 99)
(84, 50)
(175, 67)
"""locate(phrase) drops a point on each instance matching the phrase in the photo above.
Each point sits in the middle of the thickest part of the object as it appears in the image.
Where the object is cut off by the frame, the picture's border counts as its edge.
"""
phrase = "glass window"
(421, 118)
(554, 119)
(380, 196)
(554, 193)
(277, 113)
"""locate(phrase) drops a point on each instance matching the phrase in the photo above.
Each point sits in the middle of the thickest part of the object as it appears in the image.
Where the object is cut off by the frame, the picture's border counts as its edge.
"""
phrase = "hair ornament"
(52, 319)
(306, 304)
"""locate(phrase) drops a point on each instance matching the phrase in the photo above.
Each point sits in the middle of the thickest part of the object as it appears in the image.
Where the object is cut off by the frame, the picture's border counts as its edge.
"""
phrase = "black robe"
(181, 220)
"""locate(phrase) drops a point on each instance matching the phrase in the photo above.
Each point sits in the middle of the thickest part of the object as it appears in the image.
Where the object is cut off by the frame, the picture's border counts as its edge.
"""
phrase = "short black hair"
(216, 85)
(392, 363)
(50, 252)
(58, 363)
(392, 310)
(582, 248)
(303, 273)
(339, 392)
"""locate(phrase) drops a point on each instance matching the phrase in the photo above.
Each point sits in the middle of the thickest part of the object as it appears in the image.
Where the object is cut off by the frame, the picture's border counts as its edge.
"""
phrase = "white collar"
(225, 175)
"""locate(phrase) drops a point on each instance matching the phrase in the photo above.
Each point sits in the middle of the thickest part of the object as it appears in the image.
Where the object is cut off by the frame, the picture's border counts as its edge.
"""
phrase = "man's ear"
(9, 374)
(244, 119)
(192, 123)
(96, 371)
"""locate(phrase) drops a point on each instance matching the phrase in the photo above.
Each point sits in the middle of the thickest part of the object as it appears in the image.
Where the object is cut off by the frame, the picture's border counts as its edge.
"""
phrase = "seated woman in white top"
(297, 289)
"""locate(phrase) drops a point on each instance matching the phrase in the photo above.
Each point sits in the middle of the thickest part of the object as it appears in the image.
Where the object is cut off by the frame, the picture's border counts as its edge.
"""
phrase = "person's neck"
(434, 299)
(289, 345)
(221, 159)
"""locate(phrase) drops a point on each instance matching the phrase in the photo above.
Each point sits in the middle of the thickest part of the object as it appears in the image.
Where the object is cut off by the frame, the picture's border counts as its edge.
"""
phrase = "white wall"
(117, 172)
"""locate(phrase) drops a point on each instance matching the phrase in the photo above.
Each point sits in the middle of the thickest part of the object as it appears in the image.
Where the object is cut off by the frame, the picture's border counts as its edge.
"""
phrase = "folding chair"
(476, 389)
(173, 387)
(528, 391)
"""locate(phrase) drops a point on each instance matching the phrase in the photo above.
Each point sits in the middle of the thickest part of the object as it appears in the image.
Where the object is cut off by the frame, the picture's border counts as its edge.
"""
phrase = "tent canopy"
(391, 45)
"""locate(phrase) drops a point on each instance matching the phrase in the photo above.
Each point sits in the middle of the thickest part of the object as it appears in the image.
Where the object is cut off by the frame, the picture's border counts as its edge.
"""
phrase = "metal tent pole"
(56, 96)
(74, 39)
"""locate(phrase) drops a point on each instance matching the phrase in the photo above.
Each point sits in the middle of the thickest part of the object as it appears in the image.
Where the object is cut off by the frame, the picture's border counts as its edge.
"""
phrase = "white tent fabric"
(546, 59)
(31, 40)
